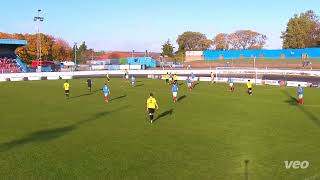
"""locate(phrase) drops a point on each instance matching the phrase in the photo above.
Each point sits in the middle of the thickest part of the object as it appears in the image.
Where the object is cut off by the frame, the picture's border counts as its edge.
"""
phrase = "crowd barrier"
(203, 75)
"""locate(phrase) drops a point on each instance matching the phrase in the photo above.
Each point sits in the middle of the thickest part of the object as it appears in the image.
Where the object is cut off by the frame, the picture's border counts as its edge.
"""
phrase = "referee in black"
(89, 84)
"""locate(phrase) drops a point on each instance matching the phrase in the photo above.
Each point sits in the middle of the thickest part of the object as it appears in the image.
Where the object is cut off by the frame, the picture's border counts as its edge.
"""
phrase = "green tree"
(180, 56)
(167, 49)
(302, 31)
(193, 41)
(82, 53)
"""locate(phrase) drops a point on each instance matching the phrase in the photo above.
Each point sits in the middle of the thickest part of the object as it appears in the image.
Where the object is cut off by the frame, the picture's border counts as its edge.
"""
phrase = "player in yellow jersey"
(249, 85)
(151, 106)
(66, 87)
(167, 77)
(175, 79)
(108, 78)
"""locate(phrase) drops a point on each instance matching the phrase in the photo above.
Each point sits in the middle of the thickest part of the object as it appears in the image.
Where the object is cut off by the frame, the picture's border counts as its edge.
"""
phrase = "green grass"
(208, 135)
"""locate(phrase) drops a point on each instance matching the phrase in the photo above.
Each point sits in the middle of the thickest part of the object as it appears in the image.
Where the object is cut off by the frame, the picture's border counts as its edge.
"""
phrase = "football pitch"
(209, 134)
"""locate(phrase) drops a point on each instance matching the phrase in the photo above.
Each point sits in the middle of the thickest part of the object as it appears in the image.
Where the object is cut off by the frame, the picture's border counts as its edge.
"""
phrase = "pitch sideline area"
(208, 134)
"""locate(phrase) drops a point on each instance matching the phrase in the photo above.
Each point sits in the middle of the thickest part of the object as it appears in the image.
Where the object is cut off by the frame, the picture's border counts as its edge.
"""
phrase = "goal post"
(238, 74)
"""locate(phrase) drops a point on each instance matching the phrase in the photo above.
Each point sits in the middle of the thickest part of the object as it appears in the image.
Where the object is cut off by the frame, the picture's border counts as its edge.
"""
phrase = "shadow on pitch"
(246, 170)
(97, 90)
(86, 94)
(138, 85)
(196, 84)
(164, 114)
(50, 134)
(119, 97)
(82, 95)
(181, 98)
(293, 101)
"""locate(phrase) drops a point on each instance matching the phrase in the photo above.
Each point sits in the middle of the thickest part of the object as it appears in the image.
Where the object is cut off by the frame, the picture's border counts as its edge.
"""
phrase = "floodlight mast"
(75, 53)
(39, 19)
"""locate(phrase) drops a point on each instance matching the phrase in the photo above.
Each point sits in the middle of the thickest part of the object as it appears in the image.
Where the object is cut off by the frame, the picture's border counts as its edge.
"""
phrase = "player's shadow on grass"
(97, 90)
(138, 85)
(50, 134)
(246, 170)
(181, 98)
(86, 94)
(293, 101)
(119, 97)
(196, 84)
(81, 95)
(164, 114)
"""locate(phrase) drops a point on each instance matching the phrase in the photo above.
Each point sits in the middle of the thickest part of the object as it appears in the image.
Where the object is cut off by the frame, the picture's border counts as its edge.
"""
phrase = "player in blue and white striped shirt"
(300, 95)
(174, 92)
(133, 81)
(106, 92)
(231, 84)
(189, 83)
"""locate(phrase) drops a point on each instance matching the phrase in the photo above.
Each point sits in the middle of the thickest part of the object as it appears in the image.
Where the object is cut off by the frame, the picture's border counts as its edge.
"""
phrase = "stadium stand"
(9, 61)
(8, 65)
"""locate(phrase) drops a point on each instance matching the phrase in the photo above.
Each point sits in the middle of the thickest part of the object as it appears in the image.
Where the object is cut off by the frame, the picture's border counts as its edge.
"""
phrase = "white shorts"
(106, 94)
(231, 84)
(300, 96)
(189, 84)
(127, 76)
(174, 94)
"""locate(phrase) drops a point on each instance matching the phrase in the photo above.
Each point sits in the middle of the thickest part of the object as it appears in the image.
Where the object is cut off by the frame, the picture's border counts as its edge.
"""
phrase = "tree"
(61, 51)
(220, 41)
(82, 53)
(47, 42)
(5, 36)
(180, 56)
(167, 49)
(233, 41)
(302, 31)
(29, 52)
(193, 41)
(51, 48)
(246, 39)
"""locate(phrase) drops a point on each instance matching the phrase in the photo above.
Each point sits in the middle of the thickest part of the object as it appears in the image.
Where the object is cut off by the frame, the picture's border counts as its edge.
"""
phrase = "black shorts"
(249, 89)
(151, 110)
(89, 86)
(66, 91)
(167, 80)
